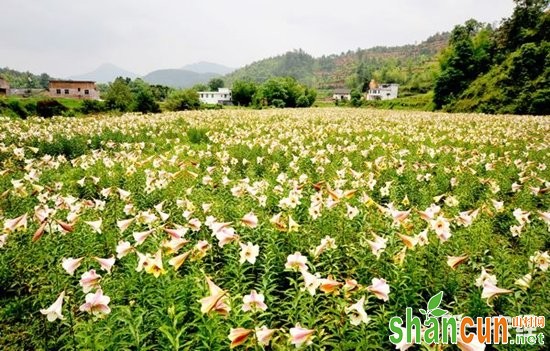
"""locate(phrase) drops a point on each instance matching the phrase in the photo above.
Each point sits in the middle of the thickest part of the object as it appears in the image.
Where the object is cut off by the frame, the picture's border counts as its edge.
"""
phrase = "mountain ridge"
(185, 77)
(105, 73)
(330, 71)
(208, 67)
(177, 78)
(324, 72)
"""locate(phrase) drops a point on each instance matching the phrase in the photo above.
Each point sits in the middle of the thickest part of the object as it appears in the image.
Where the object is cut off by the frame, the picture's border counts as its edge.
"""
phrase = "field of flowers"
(271, 229)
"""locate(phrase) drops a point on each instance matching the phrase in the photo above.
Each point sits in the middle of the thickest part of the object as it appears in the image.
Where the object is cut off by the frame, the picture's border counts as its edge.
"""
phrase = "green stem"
(91, 324)
(71, 322)
(296, 299)
(45, 334)
(106, 242)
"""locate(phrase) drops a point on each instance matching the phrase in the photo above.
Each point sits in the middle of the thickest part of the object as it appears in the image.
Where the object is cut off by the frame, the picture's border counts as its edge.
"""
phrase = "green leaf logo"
(435, 301)
(433, 306)
(438, 312)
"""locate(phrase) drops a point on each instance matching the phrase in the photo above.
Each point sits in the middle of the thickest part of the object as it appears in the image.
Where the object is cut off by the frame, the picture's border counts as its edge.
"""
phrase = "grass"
(419, 102)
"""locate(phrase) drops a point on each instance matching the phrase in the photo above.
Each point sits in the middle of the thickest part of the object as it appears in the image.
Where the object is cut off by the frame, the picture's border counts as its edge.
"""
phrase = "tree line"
(127, 95)
(275, 92)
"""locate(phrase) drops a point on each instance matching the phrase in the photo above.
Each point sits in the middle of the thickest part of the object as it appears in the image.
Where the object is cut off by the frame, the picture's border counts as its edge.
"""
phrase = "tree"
(302, 101)
(89, 106)
(273, 89)
(243, 91)
(44, 81)
(311, 95)
(200, 87)
(284, 92)
(180, 100)
(144, 100)
(355, 98)
(102, 88)
(278, 103)
(518, 29)
(463, 61)
(364, 76)
(160, 92)
(119, 96)
(215, 83)
(502, 70)
(294, 91)
(447, 85)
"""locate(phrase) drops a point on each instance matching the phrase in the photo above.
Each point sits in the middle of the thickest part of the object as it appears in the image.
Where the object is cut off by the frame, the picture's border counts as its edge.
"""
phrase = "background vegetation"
(499, 70)
(476, 68)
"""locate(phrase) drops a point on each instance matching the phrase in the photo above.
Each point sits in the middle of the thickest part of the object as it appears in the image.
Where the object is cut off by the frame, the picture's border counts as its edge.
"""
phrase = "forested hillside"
(499, 70)
(24, 79)
(476, 68)
(414, 66)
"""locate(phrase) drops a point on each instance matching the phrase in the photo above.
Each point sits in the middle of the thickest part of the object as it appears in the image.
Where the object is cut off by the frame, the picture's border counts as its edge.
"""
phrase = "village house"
(221, 97)
(4, 87)
(73, 89)
(341, 94)
(382, 91)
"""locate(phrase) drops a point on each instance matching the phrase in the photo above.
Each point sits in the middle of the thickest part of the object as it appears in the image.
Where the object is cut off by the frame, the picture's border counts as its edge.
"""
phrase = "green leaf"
(423, 311)
(438, 312)
(435, 301)
(166, 330)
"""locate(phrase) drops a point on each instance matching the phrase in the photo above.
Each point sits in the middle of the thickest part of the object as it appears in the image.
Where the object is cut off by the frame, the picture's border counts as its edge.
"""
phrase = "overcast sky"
(66, 37)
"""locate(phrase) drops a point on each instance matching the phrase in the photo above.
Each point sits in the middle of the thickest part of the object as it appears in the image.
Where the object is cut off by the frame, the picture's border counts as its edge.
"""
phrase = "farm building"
(73, 89)
(382, 91)
(341, 94)
(4, 87)
(222, 96)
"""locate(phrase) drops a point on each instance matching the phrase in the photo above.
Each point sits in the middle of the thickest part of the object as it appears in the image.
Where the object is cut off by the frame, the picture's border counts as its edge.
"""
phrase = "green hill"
(510, 87)
(24, 80)
(178, 78)
(499, 70)
(413, 66)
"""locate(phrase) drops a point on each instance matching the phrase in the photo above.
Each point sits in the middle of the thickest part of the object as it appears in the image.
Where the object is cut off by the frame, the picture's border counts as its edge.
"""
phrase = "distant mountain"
(178, 78)
(208, 67)
(105, 73)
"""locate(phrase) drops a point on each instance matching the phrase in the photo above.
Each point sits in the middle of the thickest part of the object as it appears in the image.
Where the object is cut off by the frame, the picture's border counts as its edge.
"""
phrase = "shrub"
(145, 102)
(30, 107)
(181, 100)
(49, 108)
(355, 98)
(212, 106)
(197, 135)
(278, 103)
(92, 106)
(18, 108)
(302, 101)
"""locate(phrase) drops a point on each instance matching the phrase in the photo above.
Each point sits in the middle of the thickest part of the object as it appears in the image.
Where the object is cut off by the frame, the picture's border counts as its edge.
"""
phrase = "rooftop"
(71, 81)
(220, 91)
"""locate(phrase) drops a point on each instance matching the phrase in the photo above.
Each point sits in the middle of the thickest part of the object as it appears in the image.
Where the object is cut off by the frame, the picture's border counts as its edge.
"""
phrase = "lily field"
(273, 229)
